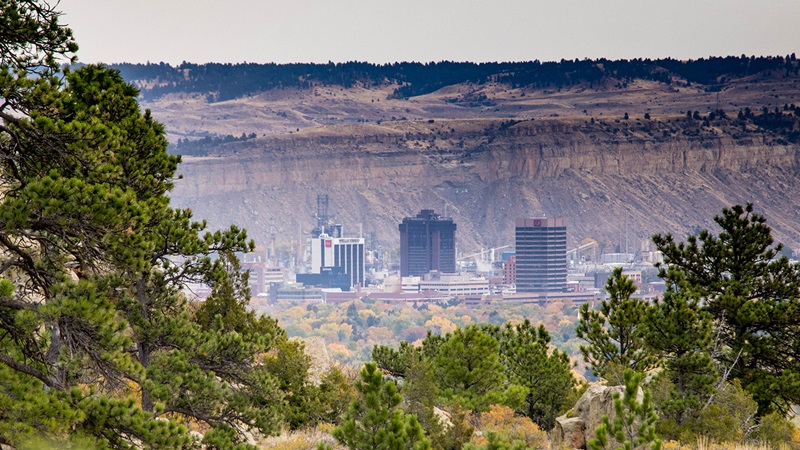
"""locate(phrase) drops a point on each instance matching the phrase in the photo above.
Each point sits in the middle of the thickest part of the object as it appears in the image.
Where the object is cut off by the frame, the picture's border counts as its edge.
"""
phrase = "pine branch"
(32, 371)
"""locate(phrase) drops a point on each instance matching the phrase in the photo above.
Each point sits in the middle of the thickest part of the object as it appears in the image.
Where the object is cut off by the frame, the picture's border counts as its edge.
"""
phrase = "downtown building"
(427, 242)
(541, 255)
(335, 262)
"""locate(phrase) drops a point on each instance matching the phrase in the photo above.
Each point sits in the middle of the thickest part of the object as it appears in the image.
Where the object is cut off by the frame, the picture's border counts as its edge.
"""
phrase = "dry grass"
(281, 111)
(307, 439)
(704, 443)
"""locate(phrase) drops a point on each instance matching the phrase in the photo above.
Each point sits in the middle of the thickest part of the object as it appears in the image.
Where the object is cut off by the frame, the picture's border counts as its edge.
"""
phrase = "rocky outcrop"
(569, 433)
(576, 428)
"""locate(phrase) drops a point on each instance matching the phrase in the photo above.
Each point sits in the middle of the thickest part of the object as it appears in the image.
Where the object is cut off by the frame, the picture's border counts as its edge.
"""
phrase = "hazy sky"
(427, 30)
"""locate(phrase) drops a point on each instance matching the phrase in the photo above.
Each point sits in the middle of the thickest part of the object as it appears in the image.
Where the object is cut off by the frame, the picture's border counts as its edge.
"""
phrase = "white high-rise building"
(344, 253)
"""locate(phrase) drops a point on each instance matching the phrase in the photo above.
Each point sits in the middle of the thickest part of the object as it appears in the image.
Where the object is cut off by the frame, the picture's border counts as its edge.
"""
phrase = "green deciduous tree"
(509, 429)
(496, 441)
(544, 373)
(752, 295)
(730, 416)
(306, 402)
(375, 421)
(615, 334)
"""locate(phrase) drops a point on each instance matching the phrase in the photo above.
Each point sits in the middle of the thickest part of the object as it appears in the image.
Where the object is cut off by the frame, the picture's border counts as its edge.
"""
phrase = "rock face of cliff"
(665, 174)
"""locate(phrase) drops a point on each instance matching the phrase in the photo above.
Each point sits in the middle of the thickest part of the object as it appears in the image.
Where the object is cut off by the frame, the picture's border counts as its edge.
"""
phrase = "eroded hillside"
(549, 138)
(667, 173)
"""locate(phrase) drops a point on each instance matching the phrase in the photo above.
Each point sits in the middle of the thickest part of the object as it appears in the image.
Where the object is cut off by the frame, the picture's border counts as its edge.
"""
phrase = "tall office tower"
(345, 255)
(427, 242)
(541, 255)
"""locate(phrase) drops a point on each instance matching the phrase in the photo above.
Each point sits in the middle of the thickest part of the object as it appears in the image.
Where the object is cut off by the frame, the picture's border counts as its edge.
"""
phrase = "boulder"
(571, 432)
(576, 428)
(596, 402)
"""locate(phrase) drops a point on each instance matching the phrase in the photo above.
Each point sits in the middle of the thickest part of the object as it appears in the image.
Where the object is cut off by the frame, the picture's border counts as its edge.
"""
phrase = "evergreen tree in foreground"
(754, 298)
(94, 329)
(375, 421)
(420, 396)
(468, 368)
(545, 374)
(615, 333)
(681, 334)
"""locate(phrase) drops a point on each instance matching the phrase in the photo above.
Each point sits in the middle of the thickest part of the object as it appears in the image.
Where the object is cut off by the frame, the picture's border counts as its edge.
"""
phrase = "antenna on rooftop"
(322, 210)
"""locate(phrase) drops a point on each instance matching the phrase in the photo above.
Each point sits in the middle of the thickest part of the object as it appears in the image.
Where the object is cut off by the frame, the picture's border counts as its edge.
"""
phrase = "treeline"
(785, 122)
(204, 145)
(782, 123)
(228, 81)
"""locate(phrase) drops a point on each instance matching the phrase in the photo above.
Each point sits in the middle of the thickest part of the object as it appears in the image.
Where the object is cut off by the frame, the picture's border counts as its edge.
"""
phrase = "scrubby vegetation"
(204, 145)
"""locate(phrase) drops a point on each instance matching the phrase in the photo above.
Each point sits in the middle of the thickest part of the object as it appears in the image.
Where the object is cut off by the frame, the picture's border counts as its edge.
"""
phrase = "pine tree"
(375, 421)
(328, 402)
(93, 321)
(681, 334)
(544, 373)
(614, 333)
(633, 427)
(752, 295)
(468, 368)
(290, 365)
(394, 361)
(420, 397)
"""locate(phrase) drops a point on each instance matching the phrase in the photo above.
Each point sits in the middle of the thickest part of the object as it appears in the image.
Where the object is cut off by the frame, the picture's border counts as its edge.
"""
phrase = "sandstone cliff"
(668, 174)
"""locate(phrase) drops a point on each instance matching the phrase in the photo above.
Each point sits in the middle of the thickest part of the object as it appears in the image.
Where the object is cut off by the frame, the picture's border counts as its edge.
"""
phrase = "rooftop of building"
(428, 215)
